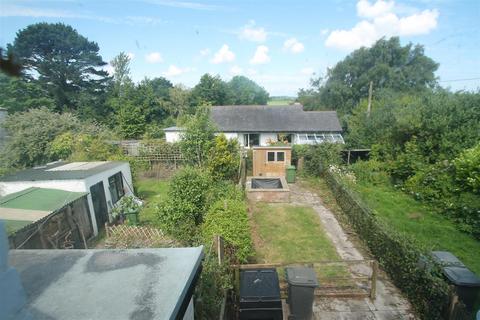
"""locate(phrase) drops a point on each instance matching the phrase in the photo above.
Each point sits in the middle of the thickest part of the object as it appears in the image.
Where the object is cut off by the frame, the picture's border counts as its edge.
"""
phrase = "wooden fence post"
(237, 281)
(219, 248)
(373, 291)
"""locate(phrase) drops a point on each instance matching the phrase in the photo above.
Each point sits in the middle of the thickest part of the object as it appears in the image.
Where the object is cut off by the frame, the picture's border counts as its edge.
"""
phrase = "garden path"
(389, 303)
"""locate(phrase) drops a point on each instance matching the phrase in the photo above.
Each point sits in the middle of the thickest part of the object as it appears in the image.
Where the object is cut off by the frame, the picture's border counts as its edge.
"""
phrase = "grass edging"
(399, 256)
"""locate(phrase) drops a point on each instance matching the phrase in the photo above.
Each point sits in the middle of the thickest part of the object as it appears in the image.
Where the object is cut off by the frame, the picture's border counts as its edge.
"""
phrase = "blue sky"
(279, 44)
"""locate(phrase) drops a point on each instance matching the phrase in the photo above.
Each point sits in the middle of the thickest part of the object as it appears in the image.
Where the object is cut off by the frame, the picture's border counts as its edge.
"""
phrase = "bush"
(31, 132)
(191, 185)
(228, 218)
(432, 183)
(187, 202)
(177, 218)
(224, 159)
(467, 167)
(398, 255)
(371, 171)
(320, 156)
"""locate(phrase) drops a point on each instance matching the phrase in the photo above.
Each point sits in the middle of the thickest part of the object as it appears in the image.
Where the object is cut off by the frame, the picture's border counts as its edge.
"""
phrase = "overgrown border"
(398, 255)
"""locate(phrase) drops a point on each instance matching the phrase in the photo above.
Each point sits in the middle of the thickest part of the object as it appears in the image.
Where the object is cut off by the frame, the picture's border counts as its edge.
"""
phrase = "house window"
(270, 156)
(115, 185)
(281, 156)
(273, 156)
(251, 140)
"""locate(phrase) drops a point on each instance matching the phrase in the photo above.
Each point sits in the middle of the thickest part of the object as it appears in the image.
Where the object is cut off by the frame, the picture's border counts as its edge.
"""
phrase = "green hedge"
(398, 255)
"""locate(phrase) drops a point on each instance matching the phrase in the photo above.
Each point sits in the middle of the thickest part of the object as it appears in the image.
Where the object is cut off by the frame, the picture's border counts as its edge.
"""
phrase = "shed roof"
(62, 171)
(260, 118)
(40, 199)
(108, 284)
(24, 207)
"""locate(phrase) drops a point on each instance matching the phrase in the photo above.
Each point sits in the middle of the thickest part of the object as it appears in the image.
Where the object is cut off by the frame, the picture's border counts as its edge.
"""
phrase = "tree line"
(425, 138)
(63, 71)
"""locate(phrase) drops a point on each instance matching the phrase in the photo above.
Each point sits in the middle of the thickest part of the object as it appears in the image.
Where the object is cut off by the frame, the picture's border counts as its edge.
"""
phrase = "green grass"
(279, 102)
(152, 191)
(421, 222)
(289, 234)
(14, 225)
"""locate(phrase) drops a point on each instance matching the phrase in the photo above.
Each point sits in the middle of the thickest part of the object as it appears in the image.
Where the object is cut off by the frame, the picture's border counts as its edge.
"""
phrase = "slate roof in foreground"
(260, 118)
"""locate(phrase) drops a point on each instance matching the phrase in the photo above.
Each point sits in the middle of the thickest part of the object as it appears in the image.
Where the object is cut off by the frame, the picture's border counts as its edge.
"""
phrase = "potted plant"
(127, 207)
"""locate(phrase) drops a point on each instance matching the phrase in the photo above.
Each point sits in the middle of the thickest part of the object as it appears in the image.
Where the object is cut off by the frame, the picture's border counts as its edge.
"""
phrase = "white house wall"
(103, 176)
(172, 136)
(266, 138)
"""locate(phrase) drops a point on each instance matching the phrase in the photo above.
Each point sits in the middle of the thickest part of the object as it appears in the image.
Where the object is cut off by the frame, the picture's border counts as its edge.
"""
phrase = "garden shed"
(38, 218)
(271, 161)
(104, 181)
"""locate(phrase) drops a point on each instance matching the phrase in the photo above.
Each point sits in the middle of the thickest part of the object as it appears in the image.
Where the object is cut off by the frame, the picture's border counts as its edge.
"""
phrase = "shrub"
(371, 171)
(228, 218)
(320, 156)
(183, 211)
(467, 167)
(225, 190)
(224, 159)
(191, 187)
(31, 132)
(432, 183)
(177, 218)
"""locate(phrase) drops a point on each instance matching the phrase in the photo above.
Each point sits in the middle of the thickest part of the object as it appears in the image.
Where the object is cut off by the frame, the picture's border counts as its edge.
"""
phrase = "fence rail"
(339, 279)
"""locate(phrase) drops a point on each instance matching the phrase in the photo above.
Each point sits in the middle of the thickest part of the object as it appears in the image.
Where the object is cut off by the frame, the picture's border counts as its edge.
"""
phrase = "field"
(280, 101)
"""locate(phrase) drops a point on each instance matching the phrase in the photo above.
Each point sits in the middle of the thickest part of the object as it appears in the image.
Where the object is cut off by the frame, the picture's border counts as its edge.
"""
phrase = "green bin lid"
(291, 167)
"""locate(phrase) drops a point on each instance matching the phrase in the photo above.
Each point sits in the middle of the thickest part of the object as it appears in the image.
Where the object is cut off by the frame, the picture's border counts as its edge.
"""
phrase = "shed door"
(99, 204)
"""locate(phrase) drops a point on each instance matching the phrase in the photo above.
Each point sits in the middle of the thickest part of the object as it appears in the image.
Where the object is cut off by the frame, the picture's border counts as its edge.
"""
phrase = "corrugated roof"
(40, 199)
(260, 118)
(53, 172)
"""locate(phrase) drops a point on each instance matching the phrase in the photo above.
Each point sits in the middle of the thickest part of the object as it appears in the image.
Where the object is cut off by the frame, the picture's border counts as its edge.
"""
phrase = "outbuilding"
(38, 218)
(106, 182)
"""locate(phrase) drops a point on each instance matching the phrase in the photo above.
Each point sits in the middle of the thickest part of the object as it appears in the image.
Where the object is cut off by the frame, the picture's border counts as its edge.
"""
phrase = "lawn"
(152, 191)
(429, 228)
(289, 234)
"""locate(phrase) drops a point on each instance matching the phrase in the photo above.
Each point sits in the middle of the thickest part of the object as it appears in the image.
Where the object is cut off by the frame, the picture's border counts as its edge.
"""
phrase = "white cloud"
(223, 55)
(131, 55)
(154, 57)
(379, 8)
(236, 70)
(293, 45)
(260, 56)
(110, 69)
(8, 10)
(174, 71)
(381, 21)
(136, 20)
(250, 33)
(251, 72)
(325, 31)
(204, 52)
(307, 71)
